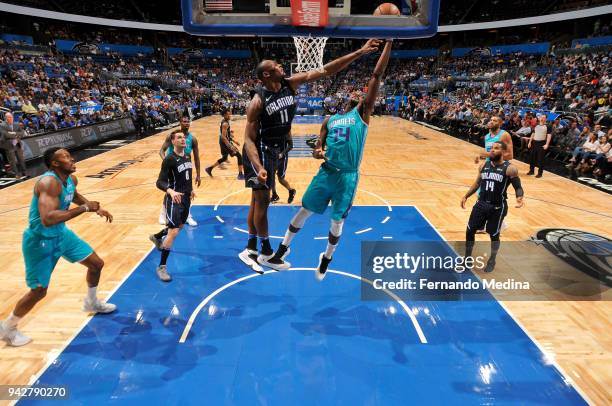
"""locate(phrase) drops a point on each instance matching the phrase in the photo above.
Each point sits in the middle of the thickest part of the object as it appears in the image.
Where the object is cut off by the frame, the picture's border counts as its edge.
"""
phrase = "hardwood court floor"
(404, 164)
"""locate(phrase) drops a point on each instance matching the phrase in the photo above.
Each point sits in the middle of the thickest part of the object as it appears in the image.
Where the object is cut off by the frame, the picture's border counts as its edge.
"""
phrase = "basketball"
(387, 9)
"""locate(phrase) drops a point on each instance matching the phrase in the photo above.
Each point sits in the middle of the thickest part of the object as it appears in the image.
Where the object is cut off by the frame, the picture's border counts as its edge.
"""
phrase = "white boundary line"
(208, 298)
(566, 378)
(365, 230)
(37, 376)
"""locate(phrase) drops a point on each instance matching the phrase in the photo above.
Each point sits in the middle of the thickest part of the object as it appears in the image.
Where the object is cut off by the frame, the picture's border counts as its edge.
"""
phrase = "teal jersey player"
(340, 145)
(47, 239)
(337, 179)
(346, 135)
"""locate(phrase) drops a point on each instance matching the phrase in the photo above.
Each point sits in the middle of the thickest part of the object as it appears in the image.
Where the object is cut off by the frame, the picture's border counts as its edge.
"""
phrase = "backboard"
(344, 18)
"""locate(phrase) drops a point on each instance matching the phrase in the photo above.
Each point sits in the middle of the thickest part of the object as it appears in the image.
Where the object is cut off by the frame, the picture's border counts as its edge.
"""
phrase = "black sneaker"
(490, 266)
(530, 173)
(292, 193)
(209, 171)
(322, 268)
(539, 175)
(275, 198)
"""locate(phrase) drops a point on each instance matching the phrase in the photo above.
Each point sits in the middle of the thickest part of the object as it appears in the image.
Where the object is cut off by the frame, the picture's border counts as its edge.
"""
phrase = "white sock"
(91, 294)
(288, 238)
(329, 251)
(11, 321)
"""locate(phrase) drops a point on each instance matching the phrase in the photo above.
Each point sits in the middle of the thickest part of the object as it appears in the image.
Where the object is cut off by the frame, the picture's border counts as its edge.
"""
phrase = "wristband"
(85, 207)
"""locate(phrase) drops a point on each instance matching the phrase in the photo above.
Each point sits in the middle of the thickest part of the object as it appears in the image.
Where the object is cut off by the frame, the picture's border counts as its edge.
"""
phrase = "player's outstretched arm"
(333, 67)
(472, 188)
(80, 200)
(196, 159)
(513, 173)
(509, 151)
(254, 110)
(164, 147)
(318, 151)
(374, 83)
(49, 190)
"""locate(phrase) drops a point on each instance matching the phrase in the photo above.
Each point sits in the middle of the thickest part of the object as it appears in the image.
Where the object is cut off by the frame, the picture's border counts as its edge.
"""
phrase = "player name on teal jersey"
(346, 135)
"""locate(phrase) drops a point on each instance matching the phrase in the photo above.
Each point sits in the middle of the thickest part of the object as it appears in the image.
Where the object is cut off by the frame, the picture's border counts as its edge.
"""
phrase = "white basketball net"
(309, 53)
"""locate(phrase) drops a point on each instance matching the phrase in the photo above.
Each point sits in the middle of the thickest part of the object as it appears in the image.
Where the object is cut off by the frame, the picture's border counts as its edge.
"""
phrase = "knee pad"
(300, 218)
(336, 228)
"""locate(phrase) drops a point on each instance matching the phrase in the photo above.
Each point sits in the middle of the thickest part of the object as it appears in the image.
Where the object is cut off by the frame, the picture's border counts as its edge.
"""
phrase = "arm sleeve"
(164, 176)
(516, 184)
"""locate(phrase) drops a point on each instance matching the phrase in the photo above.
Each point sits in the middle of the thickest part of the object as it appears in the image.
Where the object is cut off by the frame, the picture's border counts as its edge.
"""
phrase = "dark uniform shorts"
(268, 157)
(177, 213)
(490, 214)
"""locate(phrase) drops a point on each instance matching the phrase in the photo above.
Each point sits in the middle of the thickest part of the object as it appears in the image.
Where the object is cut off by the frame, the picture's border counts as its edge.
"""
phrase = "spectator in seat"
(587, 148)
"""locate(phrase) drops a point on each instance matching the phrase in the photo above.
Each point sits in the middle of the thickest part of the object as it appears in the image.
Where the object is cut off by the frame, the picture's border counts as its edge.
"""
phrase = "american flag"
(219, 5)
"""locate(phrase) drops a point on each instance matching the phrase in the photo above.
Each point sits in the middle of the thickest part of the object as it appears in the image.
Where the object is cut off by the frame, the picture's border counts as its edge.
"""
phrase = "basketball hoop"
(309, 53)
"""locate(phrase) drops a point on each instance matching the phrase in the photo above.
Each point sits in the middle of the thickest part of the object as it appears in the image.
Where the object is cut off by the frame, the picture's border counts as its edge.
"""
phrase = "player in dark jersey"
(175, 180)
(191, 146)
(269, 116)
(494, 177)
(281, 171)
(227, 144)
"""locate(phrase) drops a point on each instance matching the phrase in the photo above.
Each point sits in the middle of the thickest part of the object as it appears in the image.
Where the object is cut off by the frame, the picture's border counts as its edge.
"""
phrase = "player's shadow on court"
(239, 320)
(344, 323)
(124, 339)
(227, 266)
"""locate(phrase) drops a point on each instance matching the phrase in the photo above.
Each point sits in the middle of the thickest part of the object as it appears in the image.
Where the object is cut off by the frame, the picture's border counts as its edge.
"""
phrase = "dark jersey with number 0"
(276, 117)
(176, 174)
(494, 183)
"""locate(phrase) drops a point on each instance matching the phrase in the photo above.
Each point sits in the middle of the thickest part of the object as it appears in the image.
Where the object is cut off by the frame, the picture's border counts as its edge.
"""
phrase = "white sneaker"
(191, 221)
(13, 337)
(250, 259)
(98, 307)
(162, 273)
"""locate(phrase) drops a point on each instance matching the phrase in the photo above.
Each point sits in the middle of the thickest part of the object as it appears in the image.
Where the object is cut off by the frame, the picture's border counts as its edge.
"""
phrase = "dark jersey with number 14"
(176, 174)
(494, 183)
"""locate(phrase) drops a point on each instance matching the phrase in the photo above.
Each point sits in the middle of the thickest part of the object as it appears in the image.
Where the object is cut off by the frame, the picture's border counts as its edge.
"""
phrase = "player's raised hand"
(371, 46)
(262, 175)
(103, 213)
(519, 202)
(463, 202)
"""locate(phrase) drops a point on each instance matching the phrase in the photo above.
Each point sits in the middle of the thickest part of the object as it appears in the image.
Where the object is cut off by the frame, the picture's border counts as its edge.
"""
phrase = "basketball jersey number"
(284, 116)
(490, 186)
(342, 132)
(186, 175)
